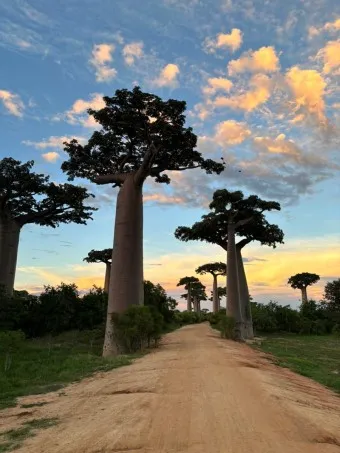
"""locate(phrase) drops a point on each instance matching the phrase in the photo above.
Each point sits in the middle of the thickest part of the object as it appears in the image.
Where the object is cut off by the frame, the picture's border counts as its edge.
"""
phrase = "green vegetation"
(317, 357)
(12, 439)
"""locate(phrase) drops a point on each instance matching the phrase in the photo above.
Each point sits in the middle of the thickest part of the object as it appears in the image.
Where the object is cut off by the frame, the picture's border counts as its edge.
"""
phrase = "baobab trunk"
(107, 277)
(9, 244)
(304, 294)
(126, 277)
(233, 291)
(244, 297)
(216, 301)
(195, 304)
(189, 298)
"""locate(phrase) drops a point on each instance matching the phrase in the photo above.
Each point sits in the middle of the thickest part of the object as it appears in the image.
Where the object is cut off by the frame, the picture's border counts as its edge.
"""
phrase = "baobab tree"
(141, 137)
(101, 256)
(231, 214)
(187, 282)
(215, 269)
(301, 281)
(221, 292)
(197, 294)
(28, 197)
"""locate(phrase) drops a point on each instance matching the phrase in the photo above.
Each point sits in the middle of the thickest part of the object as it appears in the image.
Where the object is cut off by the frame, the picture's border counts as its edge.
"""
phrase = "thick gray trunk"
(9, 244)
(107, 277)
(189, 298)
(126, 277)
(216, 301)
(244, 297)
(304, 295)
(195, 304)
(233, 291)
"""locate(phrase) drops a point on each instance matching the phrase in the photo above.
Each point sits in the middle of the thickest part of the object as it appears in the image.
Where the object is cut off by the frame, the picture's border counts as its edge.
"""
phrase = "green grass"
(12, 439)
(317, 357)
(47, 364)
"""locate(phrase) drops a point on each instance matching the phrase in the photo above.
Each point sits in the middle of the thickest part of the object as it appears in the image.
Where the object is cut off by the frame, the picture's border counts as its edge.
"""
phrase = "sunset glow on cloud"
(261, 83)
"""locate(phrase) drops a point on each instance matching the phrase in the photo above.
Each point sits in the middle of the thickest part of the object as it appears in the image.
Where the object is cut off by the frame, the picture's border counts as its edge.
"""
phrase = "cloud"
(132, 51)
(249, 100)
(217, 84)
(101, 56)
(330, 27)
(12, 103)
(51, 156)
(262, 60)
(53, 142)
(77, 114)
(231, 41)
(307, 87)
(330, 54)
(168, 76)
(231, 132)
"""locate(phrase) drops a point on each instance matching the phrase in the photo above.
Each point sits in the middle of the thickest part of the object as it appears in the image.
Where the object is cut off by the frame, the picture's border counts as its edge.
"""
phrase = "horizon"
(260, 82)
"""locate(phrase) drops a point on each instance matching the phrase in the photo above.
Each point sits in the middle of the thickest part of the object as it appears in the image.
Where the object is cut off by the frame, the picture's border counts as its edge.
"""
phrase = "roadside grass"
(47, 364)
(317, 357)
(12, 439)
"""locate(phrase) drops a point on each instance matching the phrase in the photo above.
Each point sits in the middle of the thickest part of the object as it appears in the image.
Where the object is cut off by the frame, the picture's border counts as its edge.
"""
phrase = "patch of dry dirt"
(196, 394)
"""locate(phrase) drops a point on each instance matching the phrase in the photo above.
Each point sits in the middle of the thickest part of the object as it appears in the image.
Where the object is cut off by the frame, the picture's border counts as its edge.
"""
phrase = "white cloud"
(101, 56)
(132, 51)
(168, 76)
(77, 114)
(53, 142)
(12, 103)
(231, 41)
(231, 132)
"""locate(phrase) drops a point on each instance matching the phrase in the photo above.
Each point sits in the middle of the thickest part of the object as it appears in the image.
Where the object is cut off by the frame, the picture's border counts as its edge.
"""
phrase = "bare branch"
(144, 169)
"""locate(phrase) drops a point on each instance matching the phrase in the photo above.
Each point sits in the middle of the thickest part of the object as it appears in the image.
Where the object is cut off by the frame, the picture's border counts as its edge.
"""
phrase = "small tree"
(332, 295)
(102, 256)
(301, 281)
(215, 269)
(28, 197)
(141, 137)
(197, 294)
(187, 282)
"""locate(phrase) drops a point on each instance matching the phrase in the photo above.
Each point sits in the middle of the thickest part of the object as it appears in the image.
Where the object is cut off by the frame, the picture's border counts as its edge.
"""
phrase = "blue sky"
(261, 81)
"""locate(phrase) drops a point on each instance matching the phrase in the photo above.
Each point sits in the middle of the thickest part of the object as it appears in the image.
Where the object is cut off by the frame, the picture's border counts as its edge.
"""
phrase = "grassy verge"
(317, 357)
(47, 364)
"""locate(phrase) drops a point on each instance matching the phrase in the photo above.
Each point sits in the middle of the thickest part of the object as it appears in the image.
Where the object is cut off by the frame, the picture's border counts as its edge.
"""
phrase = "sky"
(261, 82)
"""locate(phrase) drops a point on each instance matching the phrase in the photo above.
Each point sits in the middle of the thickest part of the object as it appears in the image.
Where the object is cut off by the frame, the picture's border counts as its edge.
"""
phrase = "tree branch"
(29, 218)
(118, 178)
(243, 222)
(243, 243)
(145, 168)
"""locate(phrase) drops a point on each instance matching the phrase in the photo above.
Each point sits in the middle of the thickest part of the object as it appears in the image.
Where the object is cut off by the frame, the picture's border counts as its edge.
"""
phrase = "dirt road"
(196, 394)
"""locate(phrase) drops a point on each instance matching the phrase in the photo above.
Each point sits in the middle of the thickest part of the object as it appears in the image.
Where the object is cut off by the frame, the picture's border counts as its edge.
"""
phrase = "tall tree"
(215, 269)
(197, 294)
(301, 281)
(232, 214)
(187, 282)
(28, 197)
(102, 256)
(332, 295)
(141, 136)
(221, 292)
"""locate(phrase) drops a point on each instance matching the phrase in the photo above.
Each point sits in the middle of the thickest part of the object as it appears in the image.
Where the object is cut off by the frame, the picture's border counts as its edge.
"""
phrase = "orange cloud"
(330, 55)
(308, 89)
(231, 132)
(217, 84)
(250, 100)
(12, 103)
(51, 156)
(101, 56)
(329, 26)
(262, 60)
(168, 76)
(231, 41)
(132, 51)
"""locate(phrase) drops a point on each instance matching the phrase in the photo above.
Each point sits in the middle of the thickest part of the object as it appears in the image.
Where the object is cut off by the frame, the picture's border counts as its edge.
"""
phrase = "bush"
(226, 325)
(136, 327)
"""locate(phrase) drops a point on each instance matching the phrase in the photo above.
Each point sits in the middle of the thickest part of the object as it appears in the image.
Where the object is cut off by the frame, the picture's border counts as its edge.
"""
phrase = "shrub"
(226, 326)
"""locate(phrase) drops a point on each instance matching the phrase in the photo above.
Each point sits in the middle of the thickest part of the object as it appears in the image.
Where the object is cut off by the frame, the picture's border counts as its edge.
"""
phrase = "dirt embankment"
(196, 394)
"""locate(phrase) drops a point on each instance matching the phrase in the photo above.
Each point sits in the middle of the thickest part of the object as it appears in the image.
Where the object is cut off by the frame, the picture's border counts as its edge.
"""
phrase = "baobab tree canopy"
(217, 268)
(28, 197)
(140, 134)
(303, 280)
(99, 256)
(213, 228)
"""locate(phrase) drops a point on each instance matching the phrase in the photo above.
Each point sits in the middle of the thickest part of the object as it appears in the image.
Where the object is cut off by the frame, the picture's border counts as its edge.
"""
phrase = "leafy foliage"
(28, 197)
(217, 268)
(303, 280)
(99, 256)
(332, 295)
(133, 124)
